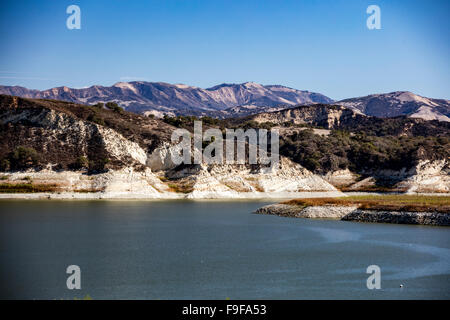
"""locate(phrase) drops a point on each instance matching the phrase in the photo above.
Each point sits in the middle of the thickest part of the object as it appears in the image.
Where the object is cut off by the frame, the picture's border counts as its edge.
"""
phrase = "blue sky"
(317, 45)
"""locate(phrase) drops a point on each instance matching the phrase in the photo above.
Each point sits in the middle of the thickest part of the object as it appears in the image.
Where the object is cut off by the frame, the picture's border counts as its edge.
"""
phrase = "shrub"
(99, 105)
(96, 119)
(5, 165)
(81, 163)
(23, 158)
(174, 121)
(209, 120)
(114, 107)
(98, 165)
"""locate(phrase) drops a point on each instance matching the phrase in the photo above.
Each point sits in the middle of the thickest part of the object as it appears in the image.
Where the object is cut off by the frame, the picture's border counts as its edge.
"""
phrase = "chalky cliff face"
(325, 116)
(124, 161)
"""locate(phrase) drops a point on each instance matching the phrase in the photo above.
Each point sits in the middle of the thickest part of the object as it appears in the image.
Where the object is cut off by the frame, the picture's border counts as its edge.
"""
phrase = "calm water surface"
(210, 250)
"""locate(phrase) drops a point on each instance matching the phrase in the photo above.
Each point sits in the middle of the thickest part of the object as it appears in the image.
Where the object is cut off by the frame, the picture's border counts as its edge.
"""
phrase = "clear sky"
(317, 45)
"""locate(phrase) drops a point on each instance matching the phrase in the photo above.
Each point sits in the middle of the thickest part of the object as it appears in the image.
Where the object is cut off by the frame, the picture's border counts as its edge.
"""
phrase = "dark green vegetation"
(384, 202)
(398, 126)
(187, 122)
(114, 107)
(19, 159)
(361, 152)
(27, 188)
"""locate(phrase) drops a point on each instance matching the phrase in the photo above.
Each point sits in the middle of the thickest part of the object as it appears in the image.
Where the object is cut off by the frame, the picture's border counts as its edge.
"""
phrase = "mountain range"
(233, 100)
(176, 99)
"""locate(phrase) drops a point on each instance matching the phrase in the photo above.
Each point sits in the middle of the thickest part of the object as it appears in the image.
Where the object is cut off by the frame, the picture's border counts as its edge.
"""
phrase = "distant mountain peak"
(252, 84)
(398, 103)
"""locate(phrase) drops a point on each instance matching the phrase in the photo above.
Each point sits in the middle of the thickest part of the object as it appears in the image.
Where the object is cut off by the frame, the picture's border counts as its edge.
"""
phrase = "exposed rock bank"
(203, 183)
(352, 213)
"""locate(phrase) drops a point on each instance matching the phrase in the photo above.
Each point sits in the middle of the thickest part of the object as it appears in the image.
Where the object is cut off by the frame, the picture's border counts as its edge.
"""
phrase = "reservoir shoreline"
(170, 195)
(204, 195)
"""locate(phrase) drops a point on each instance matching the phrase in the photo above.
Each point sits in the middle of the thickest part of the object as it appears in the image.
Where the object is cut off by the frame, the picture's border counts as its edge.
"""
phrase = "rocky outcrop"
(161, 158)
(326, 116)
(426, 218)
(352, 213)
(234, 180)
(341, 178)
(427, 176)
(119, 147)
(49, 129)
(319, 212)
(125, 182)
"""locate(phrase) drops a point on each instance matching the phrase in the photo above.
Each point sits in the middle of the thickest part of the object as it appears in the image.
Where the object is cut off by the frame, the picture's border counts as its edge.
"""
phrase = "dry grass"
(383, 202)
(27, 188)
(236, 187)
(374, 188)
(92, 190)
(180, 187)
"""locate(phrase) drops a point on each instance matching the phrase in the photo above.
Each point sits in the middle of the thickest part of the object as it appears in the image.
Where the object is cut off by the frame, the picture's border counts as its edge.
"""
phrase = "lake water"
(211, 250)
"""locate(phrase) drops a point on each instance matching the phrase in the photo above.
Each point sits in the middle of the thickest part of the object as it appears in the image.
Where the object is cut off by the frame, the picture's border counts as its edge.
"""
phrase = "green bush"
(114, 107)
(99, 105)
(174, 121)
(5, 165)
(96, 119)
(81, 163)
(23, 158)
(99, 165)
